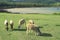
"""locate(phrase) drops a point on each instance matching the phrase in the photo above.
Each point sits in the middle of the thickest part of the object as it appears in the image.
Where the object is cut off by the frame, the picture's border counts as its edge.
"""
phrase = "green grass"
(50, 25)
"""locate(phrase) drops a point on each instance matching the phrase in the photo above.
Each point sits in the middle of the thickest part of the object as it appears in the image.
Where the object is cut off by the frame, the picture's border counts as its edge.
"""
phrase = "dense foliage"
(29, 3)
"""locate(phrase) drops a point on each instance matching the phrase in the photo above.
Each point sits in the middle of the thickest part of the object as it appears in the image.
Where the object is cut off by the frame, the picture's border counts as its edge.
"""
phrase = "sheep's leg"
(11, 27)
(27, 30)
(37, 31)
(7, 28)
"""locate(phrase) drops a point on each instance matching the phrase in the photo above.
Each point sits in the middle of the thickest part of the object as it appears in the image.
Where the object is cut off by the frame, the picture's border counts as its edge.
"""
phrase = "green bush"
(56, 13)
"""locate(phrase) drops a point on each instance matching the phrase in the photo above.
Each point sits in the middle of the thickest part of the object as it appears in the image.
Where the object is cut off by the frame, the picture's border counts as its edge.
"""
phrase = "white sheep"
(6, 24)
(11, 24)
(21, 22)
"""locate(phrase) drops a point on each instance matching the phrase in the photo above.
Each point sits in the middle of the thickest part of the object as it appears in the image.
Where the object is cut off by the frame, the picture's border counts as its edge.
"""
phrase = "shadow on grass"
(19, 29)
(58, 25)
(40, 26)
(46, 34)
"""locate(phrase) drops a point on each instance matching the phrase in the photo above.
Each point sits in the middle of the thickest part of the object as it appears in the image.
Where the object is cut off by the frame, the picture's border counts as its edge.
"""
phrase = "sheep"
(11, 24)
(32, 26)
(6, 24)
(21, 22)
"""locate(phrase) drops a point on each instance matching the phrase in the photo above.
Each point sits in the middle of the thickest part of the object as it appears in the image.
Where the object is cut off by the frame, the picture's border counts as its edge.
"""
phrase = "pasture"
(49, 26)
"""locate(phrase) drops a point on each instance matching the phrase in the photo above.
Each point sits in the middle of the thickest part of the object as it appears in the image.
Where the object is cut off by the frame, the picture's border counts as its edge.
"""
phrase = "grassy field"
(50, 27)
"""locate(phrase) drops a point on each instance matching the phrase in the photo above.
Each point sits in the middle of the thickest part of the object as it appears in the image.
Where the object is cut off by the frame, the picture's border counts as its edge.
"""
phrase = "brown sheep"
(11, 24)
(6, 24)
(21, 22)
(32, 26)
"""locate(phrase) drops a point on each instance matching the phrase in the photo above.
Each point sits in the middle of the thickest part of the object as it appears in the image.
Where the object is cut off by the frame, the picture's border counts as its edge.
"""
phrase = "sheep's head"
(21, 21)
(31, 21)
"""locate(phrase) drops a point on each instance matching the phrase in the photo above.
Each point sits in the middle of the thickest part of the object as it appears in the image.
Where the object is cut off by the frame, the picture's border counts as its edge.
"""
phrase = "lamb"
(11, 24)
(32, 26)
(6, 24)
(21, 22)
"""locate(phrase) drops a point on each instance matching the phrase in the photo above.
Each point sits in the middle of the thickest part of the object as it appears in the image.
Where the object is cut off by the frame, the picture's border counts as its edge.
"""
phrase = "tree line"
(22, 4)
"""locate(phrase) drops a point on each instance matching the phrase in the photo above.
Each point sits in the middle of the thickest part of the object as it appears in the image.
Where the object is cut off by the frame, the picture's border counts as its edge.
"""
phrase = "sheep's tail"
(7, 26)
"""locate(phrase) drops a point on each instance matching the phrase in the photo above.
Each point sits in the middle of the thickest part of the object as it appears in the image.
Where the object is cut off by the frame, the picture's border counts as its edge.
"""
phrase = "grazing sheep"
(21, 22)
(11, 24)
(6, 24)
(32, 26)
